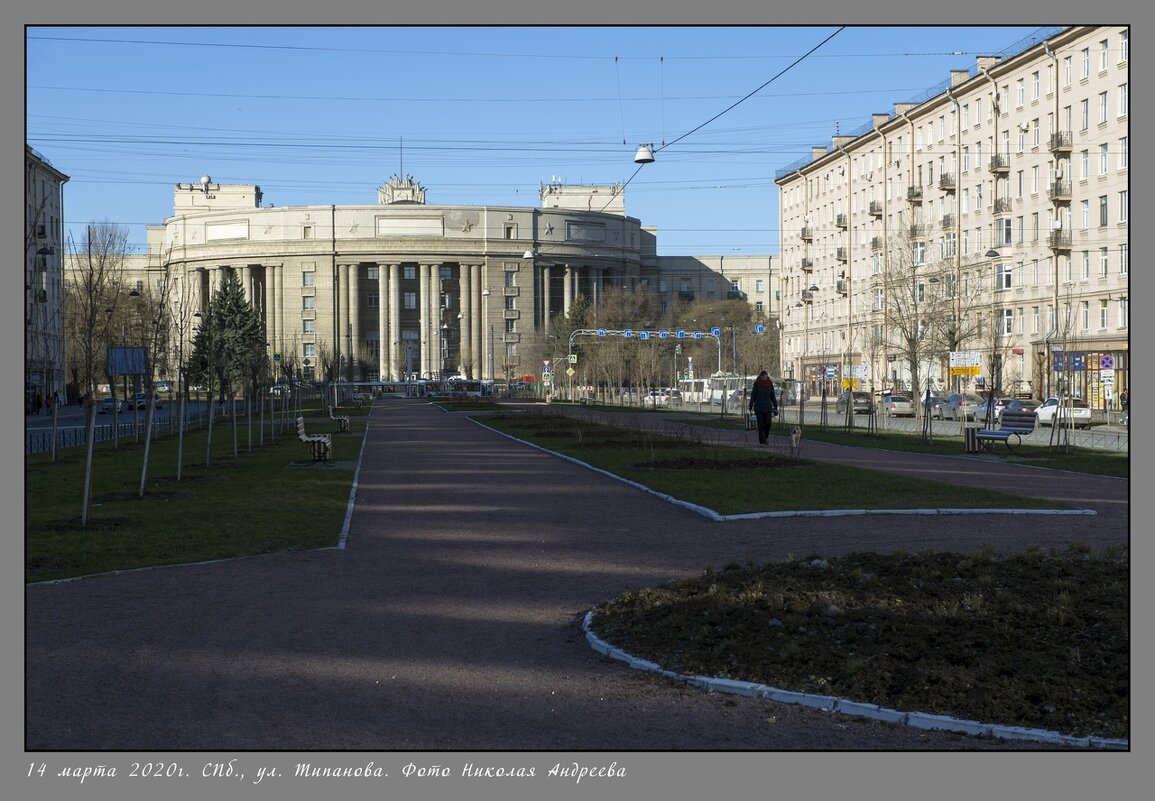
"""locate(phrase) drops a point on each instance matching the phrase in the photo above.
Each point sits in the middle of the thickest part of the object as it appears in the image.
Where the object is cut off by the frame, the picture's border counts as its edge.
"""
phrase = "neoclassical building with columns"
(412, 289)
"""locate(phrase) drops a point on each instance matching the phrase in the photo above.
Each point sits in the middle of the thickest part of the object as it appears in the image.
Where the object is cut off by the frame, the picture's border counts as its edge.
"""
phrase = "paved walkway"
(451, 621)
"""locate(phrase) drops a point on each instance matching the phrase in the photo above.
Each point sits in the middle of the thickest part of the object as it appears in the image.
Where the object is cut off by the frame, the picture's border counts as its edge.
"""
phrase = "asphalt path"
(451, 618)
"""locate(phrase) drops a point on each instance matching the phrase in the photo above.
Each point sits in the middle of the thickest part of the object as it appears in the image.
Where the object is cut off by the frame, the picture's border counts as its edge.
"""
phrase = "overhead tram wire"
(732, 106)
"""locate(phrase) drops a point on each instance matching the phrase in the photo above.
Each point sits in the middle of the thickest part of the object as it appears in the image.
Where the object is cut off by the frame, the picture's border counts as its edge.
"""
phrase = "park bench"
(320, 445)
(1011, 424)
(341, 420)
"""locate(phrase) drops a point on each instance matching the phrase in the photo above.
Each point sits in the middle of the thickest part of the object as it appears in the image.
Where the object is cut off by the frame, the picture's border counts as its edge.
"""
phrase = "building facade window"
(1004, 277)
(309, 303)
(308, 278)
(1006, 322)
(1103, 262)
(1102, 210)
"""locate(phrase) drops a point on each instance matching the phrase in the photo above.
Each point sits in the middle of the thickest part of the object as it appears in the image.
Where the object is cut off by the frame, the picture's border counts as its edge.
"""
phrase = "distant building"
(408, 288)
(43, 277)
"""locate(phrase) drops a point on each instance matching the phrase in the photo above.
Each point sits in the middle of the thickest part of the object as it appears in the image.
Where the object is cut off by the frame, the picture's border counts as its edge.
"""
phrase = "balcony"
(686, 297)
(947, 222)
(1000, 164)
(807, 296)
(914, 194)
(876, 244)
(875, 208)
(808, 264)
(840, 221)
(843, 286)
(807, 233)
(947, 182)
(1059, 192)
(1002, 205)
(1059, 240)
(1061, 142)
(735, 294)
(842, 254)
(917, 231)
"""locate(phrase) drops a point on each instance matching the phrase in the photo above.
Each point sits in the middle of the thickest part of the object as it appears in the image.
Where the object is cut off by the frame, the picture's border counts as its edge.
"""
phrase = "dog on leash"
(795, 441)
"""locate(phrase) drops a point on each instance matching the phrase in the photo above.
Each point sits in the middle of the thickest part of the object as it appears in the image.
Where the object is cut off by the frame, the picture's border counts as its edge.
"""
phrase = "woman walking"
(763, 404)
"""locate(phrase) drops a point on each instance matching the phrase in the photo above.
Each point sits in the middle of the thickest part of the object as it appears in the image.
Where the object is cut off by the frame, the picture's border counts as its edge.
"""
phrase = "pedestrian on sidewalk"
(764, 405)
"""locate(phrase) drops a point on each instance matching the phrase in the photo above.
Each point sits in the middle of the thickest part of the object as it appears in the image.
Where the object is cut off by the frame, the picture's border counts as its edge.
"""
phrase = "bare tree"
(92, 292)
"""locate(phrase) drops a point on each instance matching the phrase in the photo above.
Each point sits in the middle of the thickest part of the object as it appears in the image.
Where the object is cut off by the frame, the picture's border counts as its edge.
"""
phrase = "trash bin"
(971, 439)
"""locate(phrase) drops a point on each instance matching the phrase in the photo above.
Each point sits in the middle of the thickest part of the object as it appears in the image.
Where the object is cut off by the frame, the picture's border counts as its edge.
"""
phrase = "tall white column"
(477, 335)
(465, 321)
(423, 305)
(396, 357)
(569, 277)
(383, 354)
(353, 332)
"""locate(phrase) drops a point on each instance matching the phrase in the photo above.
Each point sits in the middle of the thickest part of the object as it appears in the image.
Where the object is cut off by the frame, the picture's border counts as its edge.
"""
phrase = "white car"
(656, 397)
(1075, 411)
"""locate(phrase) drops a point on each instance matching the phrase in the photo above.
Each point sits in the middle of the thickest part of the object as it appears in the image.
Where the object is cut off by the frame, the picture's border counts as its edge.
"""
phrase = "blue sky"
(478, 115)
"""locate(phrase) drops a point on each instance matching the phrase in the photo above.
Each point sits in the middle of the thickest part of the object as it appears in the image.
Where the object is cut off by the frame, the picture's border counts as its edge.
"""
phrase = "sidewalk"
(451, 620)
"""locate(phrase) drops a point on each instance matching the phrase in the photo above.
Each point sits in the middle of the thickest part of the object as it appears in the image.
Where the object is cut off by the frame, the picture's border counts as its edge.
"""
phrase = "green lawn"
(737, 480)
(265, 500)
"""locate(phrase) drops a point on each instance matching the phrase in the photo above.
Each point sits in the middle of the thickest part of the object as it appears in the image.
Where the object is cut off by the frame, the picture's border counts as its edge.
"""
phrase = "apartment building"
(975, 236)
(43, 278)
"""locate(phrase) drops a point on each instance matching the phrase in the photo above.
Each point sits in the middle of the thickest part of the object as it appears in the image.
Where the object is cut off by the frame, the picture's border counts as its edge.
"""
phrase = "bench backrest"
(1023, 420)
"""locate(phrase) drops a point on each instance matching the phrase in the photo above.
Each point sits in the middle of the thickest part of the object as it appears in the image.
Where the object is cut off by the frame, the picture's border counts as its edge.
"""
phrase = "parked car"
(960, 406)
(982, 411)
(140, 400)
(897, 405)
(1078, 410)
(862, 403)
(111, 404)
(656, 398)
(1020, 405)
(933, 406)
(163, 386)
